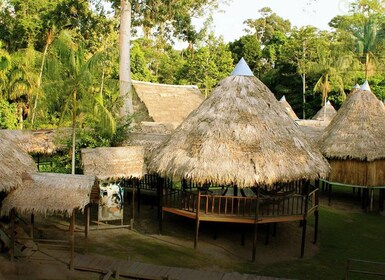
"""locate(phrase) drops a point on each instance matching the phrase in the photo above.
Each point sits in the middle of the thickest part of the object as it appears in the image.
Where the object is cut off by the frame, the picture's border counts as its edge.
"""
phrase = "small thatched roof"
(239, 135)
(114, 162)
(326, 113)
(168, 103)
(36, 141)
(50, 193)
(15, 165)
(357, 131)
(288, 108)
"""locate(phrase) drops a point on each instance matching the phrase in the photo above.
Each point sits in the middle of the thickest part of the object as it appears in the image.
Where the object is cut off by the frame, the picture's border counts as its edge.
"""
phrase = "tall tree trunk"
(73, 131)
(303, 95)
(48, 42)
(124, 58)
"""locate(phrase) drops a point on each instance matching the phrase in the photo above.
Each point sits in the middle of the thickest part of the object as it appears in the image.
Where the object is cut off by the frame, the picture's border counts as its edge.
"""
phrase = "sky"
(318, 13)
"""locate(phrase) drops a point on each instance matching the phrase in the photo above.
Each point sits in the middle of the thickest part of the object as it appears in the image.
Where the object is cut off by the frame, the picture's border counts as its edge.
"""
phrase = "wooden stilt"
(87, 221)
(381, 200)
(133, 207)
(255, 238)
(274, 229)
(316, 217)
(160, 206)
(72, 240)
(329, 193)
(12, 249)
(32, 226)
(303, 237)
(267, 233)
(138, 195)
(197, 220)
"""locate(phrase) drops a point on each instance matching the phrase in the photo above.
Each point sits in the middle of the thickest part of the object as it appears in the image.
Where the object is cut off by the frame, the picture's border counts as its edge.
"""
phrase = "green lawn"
(343, 234)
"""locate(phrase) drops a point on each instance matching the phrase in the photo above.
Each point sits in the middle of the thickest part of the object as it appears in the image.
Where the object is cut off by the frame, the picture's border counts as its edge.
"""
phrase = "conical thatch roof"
(114, 162)
(326, 113)
(50, 193)
(239, 135)
(15, 165)
(288, 108)
(357, 131)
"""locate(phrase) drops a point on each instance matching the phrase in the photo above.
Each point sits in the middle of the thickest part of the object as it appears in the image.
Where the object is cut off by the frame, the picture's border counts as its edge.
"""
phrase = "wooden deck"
(130, 269)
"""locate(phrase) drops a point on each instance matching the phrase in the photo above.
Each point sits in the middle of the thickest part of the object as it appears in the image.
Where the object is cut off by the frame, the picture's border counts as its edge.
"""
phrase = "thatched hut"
(354, 141)
(112, 165)
(15, 165)
(161, 103)
(288, 108)
(239, 136)
(49, 193)
(326, 113)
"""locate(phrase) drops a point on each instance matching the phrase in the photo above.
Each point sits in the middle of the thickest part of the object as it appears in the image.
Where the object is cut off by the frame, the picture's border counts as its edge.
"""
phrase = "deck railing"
(226, 205)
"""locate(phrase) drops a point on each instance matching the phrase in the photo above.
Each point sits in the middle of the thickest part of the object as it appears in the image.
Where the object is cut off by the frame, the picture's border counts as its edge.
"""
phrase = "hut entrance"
(260, 205)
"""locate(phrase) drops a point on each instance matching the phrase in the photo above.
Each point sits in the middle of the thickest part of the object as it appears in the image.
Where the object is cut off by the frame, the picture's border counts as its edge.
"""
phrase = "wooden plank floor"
(153, 272)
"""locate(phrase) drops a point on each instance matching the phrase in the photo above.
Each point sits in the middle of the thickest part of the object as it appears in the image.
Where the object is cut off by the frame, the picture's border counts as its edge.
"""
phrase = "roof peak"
(283, 98)
(365, 86)
(242, 69)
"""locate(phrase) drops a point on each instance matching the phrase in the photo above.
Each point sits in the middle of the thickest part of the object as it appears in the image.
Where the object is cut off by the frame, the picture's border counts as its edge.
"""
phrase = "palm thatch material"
(114, 162)
(357, 131)
(354, 141)
(50, 193)
(36, 141)
(168, 103)
(15, 165)
(239, 135)
(288, 108)
(326, 113)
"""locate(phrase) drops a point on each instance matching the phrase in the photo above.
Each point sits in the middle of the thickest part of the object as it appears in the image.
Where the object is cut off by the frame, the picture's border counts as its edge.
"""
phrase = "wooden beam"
(32, 225)
(87, 221)
(12, 249)
(197, 220)
(316, 214)
(304, 222)
(72, 240)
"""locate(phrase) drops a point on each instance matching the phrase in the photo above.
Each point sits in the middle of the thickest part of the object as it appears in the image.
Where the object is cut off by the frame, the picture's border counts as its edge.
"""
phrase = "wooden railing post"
(197, 208)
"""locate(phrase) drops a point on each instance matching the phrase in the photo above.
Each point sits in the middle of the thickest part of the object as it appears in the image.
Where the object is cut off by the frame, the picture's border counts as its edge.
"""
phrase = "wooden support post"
(197, 220)
(267, 233)
(87, 221)
(133, 207)
(12, 249)
(304, 222)
(138, 194)
(160, 206)
(381, 199)
(255, 239)
(32, 226)
(316, 217)
(371, 199)
(72, 240)
(329, 193)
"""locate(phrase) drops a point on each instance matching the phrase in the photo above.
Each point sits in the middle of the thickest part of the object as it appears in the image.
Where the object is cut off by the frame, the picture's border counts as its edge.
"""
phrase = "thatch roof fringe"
(357, 131)
(114, 162)
(50, 193)
(239, 135)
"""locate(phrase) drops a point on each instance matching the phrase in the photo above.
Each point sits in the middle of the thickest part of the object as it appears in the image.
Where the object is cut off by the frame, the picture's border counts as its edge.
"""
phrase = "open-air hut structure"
(50, 194)
(288, 108)
(354, 144)
(240, 137)
(112, 165)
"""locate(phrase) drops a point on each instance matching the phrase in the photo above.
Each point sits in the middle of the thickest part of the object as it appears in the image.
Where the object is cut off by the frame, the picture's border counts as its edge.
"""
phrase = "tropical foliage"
(59, 60)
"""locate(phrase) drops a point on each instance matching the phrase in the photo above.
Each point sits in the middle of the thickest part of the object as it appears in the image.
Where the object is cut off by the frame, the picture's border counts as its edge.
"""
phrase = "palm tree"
(330, 67)
(77, 72)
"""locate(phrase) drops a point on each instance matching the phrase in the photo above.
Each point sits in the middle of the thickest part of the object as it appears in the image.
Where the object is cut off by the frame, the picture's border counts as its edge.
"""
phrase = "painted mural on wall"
(111, 202)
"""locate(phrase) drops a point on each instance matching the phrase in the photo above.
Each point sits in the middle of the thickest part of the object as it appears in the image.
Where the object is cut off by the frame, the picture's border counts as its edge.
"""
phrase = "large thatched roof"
(114, 162)
(240, 135)
(326, 113)
(15, 165)
(50, 193)
(357, 131)
(36, 141)
(168, 103)
(288, 108)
